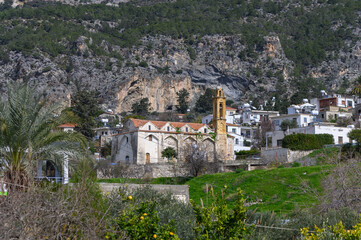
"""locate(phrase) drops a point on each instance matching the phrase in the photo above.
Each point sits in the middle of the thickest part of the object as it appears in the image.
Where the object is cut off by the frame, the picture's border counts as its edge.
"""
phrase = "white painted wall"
(336, 132)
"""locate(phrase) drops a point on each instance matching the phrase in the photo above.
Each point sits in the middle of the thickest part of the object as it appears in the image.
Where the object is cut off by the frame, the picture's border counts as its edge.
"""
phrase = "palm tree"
(27, 123)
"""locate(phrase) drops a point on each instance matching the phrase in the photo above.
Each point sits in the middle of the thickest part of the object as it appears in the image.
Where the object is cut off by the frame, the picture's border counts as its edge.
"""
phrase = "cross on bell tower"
(219, 112)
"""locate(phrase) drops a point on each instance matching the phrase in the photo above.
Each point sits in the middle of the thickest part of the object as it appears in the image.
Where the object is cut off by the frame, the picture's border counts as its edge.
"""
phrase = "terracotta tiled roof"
(67, 125)
(159, 124)
(178, 124)
(230, 108)
(138, 122)
(196, 126)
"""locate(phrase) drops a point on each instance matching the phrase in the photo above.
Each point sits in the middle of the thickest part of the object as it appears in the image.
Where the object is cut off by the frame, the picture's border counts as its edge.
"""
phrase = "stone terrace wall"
(282, 155)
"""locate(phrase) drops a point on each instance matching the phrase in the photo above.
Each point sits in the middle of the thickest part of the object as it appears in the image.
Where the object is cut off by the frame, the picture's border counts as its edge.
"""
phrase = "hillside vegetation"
(280, 190)
(308, 29)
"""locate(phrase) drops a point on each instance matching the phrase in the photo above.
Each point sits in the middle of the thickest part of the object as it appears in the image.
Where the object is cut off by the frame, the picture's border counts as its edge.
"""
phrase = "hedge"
(303, 141)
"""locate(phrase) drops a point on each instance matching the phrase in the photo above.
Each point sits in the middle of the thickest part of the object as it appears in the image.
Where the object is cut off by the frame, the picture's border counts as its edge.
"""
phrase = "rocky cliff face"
(161, 66)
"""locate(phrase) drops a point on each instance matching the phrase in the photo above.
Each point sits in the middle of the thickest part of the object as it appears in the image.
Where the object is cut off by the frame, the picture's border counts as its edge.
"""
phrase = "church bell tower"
(224, 148)
(219, 112)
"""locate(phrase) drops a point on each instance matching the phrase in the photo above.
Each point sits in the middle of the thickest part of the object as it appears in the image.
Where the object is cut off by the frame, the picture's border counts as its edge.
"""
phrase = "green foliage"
(183, 96)
(192, 53)
(142, 222)
(85, 105)
(288, 124)
(106, 150)
(355, 135)
(306, 33)
(142, 107)
(281, 189)
(143, 64)
(169, 153)
(247, 153)
(27, 134)
(301, 141)
(163, 211)
(204, 102)
(218, 221)
(296, 164)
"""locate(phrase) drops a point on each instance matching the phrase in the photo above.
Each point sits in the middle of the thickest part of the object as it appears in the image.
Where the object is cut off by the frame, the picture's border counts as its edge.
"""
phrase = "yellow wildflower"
(141, 218)
(171, 233)
(130, 197)
(155, 236)
(145, 214)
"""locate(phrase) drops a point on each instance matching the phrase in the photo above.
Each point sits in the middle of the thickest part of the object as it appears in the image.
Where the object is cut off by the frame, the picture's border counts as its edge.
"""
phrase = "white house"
(302, 119)
(302, 108)
(254, 117)
(235, 130)
(274, 139)
(67, 127)
(336, 100)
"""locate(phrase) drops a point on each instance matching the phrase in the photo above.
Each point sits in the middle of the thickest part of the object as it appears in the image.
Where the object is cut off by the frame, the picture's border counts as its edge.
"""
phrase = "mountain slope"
(253, 49)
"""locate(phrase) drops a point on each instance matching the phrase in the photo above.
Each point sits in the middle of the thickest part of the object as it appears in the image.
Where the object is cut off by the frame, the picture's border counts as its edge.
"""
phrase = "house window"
(127, 139)
(186, 129)
(305, 120)
(277, 122)
(237, 141)
(127, 159)
(340, 140)
(349, 103)
(168, 128)
(205, 130)
(149, 127)
(233, 130)
(206, 121)
(150, 138)
(279, 143)
(106, 133)
(322, 115)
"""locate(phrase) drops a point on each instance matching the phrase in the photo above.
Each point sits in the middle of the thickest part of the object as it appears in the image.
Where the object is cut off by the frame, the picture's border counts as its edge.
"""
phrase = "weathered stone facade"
(142, 141)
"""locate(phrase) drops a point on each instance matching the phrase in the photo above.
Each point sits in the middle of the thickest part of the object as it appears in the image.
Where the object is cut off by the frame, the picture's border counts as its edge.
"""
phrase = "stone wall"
(180, 192)
(153, 170)
(282, 155)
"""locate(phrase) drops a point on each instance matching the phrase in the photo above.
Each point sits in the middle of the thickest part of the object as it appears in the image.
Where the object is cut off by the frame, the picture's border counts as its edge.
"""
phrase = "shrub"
(218, 221)
(143, 64)
(167, 209)
(303, 141)
(245, 154)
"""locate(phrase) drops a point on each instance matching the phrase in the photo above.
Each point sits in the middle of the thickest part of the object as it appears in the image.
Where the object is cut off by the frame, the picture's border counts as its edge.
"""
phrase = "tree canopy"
(182, 99)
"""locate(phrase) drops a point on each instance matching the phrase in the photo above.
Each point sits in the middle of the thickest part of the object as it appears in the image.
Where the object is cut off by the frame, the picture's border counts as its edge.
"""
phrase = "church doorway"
(147, 158)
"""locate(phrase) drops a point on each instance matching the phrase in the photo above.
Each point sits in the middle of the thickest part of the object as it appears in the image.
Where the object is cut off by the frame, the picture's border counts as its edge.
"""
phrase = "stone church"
(142, 141)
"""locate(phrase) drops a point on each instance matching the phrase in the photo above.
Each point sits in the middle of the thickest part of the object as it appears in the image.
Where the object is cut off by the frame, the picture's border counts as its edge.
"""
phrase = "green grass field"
(279, 190)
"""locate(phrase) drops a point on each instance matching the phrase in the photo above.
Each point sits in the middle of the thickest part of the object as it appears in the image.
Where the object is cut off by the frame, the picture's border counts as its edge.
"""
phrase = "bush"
(166, 207)
(245, 154)
(303, 141)
(143, 64)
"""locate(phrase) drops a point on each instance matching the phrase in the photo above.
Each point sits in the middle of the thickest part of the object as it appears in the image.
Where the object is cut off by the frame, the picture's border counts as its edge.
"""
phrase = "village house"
(142, 141)
(335, 100)
(254, 117)
(274, 138)
(241, 143)
(67, 127)
(302, 119)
